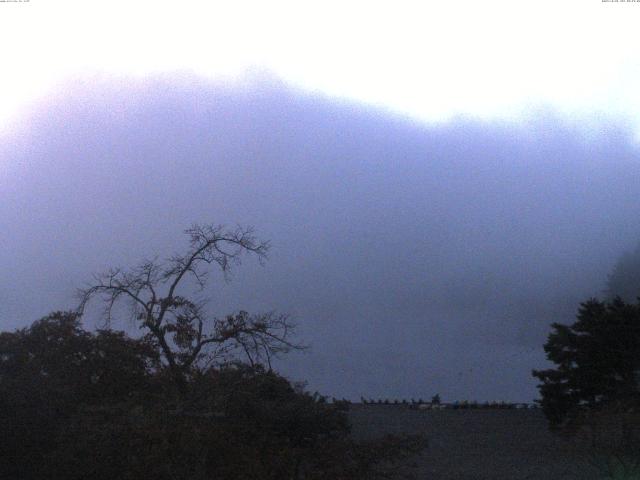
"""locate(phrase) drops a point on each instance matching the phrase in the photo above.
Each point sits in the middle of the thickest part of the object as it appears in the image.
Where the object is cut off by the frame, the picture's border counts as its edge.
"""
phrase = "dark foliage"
(79, 405)
(177, 403)
(162, 296)
(598, 361)
(52, 367)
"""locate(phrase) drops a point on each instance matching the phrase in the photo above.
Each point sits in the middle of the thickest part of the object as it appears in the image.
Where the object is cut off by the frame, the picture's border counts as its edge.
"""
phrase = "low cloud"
(417, 259)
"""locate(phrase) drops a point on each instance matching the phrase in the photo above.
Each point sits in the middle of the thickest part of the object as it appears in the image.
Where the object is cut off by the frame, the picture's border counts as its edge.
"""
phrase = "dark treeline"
(193, 397)
(76, 404)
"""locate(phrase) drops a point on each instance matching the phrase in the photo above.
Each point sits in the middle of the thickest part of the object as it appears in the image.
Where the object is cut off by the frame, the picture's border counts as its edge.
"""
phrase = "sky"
(439, 182)
(430, 60)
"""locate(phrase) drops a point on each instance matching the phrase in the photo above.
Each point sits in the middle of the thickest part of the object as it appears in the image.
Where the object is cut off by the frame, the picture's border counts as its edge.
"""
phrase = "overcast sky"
(439, 183)
(429, 59)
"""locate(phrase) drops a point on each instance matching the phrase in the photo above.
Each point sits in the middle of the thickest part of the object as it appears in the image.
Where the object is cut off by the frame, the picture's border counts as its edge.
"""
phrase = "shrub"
(77, 405)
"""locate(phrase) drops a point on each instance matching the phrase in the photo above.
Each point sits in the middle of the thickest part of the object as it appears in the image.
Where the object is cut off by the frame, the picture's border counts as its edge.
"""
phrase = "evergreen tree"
(597, 361)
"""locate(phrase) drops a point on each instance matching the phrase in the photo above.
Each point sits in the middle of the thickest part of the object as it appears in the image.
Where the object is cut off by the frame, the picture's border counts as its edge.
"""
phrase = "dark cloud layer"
(416, 259)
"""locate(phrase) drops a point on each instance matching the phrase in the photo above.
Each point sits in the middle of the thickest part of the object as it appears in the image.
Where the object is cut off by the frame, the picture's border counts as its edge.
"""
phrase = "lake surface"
(479, 444)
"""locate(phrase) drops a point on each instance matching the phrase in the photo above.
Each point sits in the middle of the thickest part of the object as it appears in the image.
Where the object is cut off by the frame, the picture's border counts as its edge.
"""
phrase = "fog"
(416, 258)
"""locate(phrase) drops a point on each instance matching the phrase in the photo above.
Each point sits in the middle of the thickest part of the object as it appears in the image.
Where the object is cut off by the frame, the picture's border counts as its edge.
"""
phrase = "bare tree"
(178, 324)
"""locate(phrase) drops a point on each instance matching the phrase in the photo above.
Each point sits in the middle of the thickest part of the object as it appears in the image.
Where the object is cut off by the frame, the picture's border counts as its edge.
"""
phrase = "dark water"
(479, 444)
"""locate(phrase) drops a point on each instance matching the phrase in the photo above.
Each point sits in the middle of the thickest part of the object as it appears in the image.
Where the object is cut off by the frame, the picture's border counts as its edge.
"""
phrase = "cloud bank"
(416, 259)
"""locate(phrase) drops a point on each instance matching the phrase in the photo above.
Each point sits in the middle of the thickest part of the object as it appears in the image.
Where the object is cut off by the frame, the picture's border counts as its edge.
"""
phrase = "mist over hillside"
(416, 258)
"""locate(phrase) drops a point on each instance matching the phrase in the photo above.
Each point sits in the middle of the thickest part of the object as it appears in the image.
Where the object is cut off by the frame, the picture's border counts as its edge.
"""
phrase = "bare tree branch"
(178, 324)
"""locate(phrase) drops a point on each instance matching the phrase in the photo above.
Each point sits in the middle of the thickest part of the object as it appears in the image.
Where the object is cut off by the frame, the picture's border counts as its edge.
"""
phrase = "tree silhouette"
(597, 362)
(50, 368)
(161, 295)
(76, 404)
